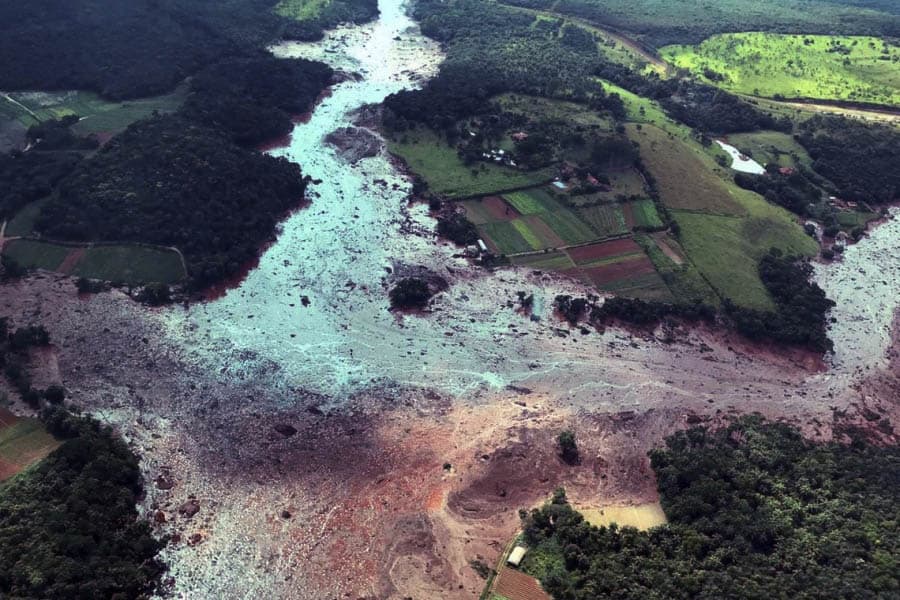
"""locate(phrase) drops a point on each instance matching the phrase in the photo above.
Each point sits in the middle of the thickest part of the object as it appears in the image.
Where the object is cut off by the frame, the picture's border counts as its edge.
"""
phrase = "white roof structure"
(516, 556)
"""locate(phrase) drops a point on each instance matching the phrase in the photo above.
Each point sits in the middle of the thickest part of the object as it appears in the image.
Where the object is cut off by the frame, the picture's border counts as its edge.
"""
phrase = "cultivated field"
(821, 67)
(123, 263)
(23, 441)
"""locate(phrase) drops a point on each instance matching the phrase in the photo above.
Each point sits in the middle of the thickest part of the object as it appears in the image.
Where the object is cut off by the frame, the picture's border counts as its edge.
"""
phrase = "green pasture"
(771, 147)
(821, 67)
(439, 165)
(685, 175)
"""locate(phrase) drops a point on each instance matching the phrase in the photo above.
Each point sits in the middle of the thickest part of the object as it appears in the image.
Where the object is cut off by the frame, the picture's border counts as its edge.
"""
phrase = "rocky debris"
(285, 514)
(354, 143)
(189, 508)
(285, 429)
(164, 482)
(159, 517)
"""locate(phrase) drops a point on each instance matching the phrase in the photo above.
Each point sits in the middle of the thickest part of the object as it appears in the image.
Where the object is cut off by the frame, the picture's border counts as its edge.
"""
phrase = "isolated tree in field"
(568, 448)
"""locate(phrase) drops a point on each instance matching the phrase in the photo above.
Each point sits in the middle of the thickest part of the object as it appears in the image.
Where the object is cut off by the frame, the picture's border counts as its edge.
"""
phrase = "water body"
(314, 314)
(740, 162)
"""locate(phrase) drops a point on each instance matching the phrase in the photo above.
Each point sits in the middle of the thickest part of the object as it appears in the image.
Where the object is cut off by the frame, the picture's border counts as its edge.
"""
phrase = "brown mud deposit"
(373, 509)
(298, 440)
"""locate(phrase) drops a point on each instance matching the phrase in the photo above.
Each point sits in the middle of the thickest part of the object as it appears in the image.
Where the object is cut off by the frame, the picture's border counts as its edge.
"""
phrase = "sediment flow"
(302, 441)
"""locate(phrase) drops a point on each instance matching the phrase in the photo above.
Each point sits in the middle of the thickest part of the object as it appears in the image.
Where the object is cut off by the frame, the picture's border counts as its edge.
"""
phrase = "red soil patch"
(619, 270)
(435, 499)
(104, 136)
(516, 585)
(7, 419)
(500, 209)
(628, 212)
(279, 142)
(71, 260)
(584, 254)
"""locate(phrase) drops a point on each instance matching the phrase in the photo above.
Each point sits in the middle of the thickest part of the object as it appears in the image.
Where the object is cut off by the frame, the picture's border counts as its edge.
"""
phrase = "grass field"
(685, 175)
(771, 147)
(125, 264)
(36, 255)
(301, 9)
(727, 250)
(439, 165)
(22, 224)
(98, 115)
(549, 261)
(23, 441)
(822, 67)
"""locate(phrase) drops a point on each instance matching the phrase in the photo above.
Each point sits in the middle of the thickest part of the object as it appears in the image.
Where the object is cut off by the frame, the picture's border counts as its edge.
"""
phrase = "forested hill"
(754, 512)
(663, 22)
(133, 48)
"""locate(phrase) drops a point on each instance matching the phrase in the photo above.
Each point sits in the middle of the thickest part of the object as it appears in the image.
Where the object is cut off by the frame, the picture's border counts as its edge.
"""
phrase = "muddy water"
(865, 283)
(314, 314)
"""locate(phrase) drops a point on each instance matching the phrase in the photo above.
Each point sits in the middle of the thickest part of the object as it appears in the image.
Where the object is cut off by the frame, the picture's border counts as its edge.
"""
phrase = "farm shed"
(516, 556)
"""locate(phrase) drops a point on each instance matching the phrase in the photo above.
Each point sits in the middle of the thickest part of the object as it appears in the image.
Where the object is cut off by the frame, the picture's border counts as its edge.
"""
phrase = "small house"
(519, 136)
(515, 557)
(482, 246)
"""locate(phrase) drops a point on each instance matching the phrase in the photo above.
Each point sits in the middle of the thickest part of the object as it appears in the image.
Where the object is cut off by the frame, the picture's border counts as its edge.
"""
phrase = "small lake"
(740, 162)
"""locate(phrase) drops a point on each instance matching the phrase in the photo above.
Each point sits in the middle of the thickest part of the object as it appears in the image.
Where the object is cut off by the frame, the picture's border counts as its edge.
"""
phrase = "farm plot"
(619, 266)
(515, 585)
(533, 201)
(607, 220)
(126, 263)
(641, 214)
(23, 441)
(545, 261)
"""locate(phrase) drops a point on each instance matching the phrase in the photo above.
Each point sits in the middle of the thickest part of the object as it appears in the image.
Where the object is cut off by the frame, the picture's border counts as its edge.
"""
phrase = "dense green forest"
(170, 181)
(754, 512)
(663, 22)
(493, 49)
(862, 159)
(69, 528)
(185, 179)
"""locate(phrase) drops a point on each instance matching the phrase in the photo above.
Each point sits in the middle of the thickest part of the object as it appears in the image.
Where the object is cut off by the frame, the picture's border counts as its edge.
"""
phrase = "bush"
(410, 292)
(568, 448)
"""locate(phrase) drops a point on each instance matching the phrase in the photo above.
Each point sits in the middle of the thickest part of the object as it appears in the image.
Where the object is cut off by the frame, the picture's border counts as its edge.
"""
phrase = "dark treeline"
(253, 98)
(663, 22)
(125, 49)
(31, 176)
(183, 179)
(754, 512)
(69, 528)
(861, 159)
(169, 181)
(492, 49)
(794, 192)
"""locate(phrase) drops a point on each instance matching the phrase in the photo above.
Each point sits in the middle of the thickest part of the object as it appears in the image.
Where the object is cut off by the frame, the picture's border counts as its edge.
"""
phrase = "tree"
(568, 448)
(410, 292)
